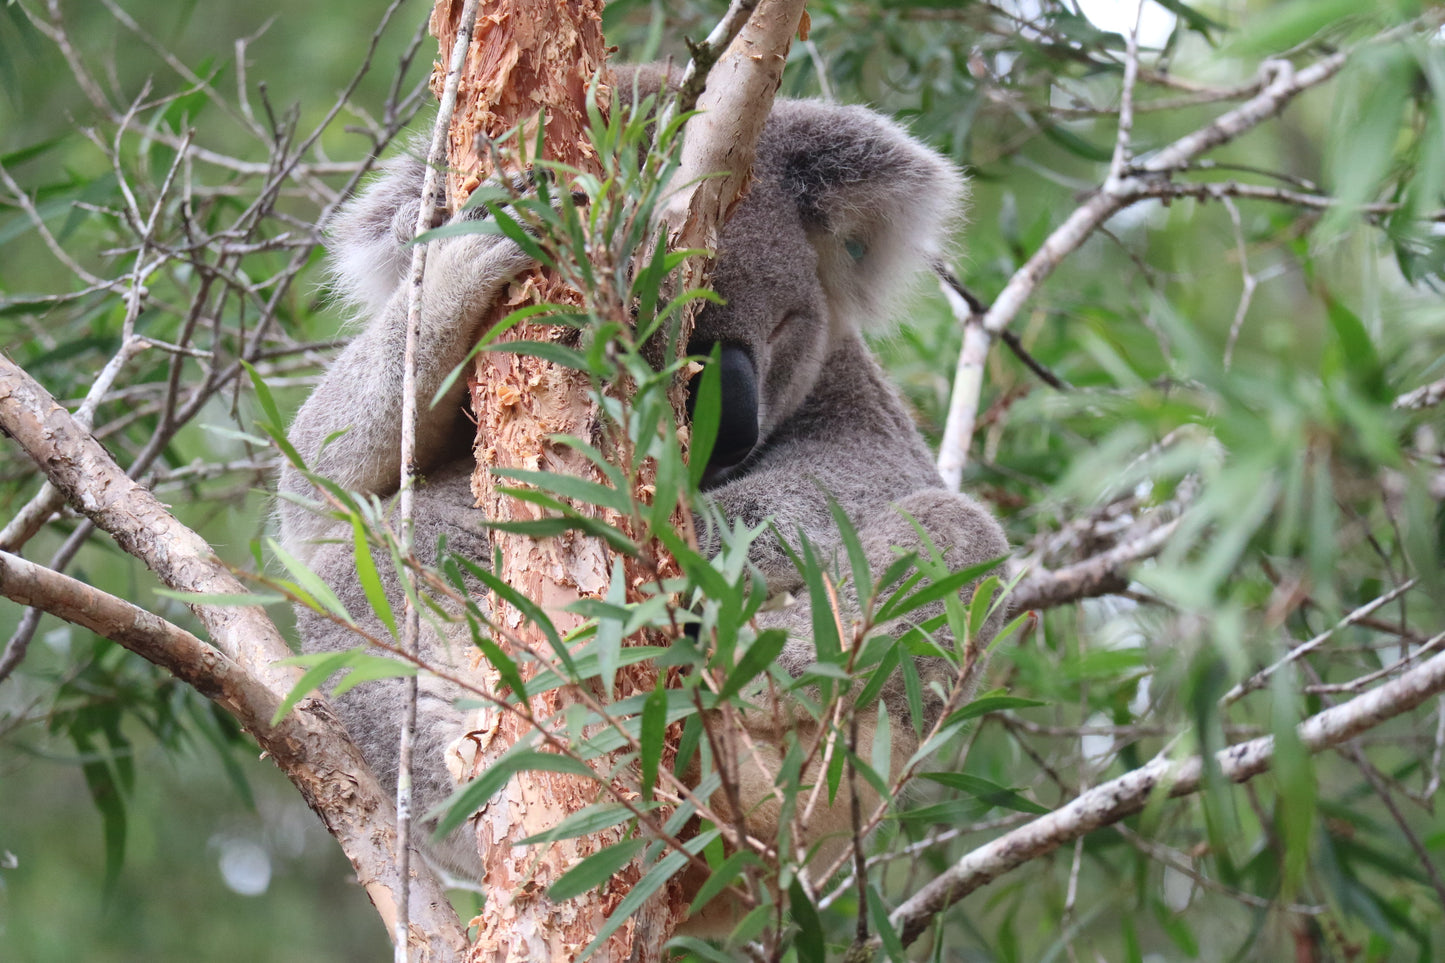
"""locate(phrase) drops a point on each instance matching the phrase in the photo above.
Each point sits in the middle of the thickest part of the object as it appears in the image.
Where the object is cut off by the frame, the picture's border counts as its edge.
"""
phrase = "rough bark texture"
(529, 59)
(526, 57)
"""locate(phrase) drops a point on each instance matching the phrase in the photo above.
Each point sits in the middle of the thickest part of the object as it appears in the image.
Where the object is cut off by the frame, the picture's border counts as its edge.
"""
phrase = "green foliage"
(1265, 422)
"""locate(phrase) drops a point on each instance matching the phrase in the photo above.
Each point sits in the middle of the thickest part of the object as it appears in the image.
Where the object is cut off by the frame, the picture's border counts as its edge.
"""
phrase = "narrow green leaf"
(809, 942)
(595, 870)
(370, 581)
(986, 704)
(652, 880)
(322, 666)
(1076, 145)
(608, 646)
(653, 737)
(596, 457)
(939, 588)
(761, 654)
(314, 586)
(881, 674)
(721, 877)
(552, 527)
(826, 637)
(368, 668)
(878, 910)
(981, 606)
(570, 486)
(881, 757)
(584, 822)
(985, 790)
(701, 949)
(470, 797)
(512, 228)
(853, 545)
(499, 660)
(589, 666)
(706, 416)
(222, 598)
(551, 351)
(264, 397)
(529, 609)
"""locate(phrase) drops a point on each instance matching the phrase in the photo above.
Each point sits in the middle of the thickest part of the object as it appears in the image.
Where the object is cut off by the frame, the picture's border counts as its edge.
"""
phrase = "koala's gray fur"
(844, 208)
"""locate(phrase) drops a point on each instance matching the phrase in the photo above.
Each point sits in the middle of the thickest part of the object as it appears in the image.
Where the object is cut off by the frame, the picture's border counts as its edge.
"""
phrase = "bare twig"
(1258, 680)
(432, 187)
(1426, 396)
(1181, 863)
(1250, 282)
(1123, 147)
(1100, 574)
(706, 54)
(1360, 683)
(968, 309)
(722, 139)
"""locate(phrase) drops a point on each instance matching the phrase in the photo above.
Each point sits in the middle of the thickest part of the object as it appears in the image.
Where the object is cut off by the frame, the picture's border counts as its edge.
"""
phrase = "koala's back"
(443, 506)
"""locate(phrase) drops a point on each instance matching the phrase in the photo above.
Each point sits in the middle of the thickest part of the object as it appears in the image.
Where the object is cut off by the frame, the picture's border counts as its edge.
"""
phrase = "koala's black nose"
(737, 433)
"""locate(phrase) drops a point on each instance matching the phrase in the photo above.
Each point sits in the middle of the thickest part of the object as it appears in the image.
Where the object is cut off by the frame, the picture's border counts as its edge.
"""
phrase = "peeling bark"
(530, 60)
(527, 61)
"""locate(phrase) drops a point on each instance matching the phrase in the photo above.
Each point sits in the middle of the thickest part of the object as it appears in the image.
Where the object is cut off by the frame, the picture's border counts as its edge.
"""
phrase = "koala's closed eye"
(790, 318)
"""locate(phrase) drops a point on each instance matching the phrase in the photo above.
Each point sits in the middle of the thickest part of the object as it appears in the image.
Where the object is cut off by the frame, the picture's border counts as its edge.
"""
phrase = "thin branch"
(1112, 801)
(1181, 863)
(1281, 84)
(1101, 574)
(722, 139)
(324, 765)
(1258, 680)
(432, 187)
(1426, 396)
(1223, 190)
(968, 309)
(38, 222)
(706, 54)
(1123, 147)
(1358, 684)
(1250, 282)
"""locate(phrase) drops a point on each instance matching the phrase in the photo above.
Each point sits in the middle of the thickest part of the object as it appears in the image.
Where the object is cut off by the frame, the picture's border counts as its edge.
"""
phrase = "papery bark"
(531, 61)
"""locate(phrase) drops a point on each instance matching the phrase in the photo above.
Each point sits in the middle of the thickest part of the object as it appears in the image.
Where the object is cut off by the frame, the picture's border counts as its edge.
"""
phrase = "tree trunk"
(528, 59)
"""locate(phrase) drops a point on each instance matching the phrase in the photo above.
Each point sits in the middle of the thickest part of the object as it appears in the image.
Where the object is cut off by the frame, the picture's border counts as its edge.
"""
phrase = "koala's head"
(844, 209)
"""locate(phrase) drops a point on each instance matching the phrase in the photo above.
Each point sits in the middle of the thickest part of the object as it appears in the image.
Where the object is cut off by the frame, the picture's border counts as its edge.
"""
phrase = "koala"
(844, 209)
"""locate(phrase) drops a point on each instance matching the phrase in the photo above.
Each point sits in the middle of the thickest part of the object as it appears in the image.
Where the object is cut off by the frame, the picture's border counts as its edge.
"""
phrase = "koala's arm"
(360, 396)
(957, 527)
(967, 536)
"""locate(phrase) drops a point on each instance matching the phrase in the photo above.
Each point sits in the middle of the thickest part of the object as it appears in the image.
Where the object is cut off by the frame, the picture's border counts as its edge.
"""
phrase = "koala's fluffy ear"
(368, 240)
(877, 204)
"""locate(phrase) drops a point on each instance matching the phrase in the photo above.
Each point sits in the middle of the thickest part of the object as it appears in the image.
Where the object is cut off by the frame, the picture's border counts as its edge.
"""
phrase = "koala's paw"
(470, 270)
(465, 274)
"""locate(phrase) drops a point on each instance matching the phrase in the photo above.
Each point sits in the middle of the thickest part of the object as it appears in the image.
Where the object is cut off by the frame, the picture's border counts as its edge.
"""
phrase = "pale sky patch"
(1155, 24)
